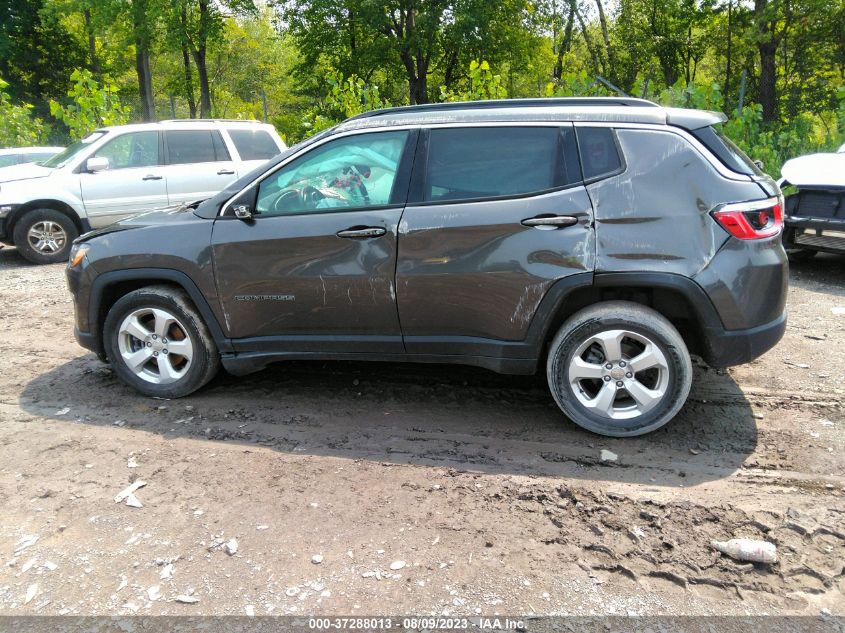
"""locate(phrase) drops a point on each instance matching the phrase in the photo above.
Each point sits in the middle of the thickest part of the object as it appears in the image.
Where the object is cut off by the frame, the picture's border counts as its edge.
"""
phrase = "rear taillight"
(751, 220)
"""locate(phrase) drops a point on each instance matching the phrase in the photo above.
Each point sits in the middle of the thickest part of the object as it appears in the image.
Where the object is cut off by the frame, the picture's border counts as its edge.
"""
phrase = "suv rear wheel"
(44, 236)
(158, 343)
(619, 369)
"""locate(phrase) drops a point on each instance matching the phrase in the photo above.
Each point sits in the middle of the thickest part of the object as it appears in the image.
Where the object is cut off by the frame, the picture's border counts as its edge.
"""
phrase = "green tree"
(91, 106)
(18, 127)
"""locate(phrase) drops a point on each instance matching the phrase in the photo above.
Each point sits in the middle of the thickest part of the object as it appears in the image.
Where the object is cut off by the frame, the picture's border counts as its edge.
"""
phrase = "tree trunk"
(589, 42)
(199, 59)
(186, 62)
(726, 90)
(767, 45)
(353, 44)
(92, 43)
(566, 41)
(767, 91)
(142, 60)
(610, 55)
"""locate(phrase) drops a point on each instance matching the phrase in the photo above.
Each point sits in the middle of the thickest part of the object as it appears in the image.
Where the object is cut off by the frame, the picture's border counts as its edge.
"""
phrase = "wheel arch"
(107, 288)
(679, 299)
(81, 224)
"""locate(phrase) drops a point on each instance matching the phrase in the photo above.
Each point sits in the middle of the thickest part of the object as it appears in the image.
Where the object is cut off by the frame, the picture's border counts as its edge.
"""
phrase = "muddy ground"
(472, 486)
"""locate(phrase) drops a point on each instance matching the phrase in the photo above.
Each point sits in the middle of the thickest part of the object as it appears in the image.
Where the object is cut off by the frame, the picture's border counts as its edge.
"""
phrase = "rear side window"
(254, 145)
(195, 146)
(490, 162)
(725, 150)
(599, 152)
(9, 159)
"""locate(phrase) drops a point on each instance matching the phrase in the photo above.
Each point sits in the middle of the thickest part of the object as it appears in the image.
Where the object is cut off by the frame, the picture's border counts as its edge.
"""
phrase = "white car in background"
(117, 172)
(19, 155)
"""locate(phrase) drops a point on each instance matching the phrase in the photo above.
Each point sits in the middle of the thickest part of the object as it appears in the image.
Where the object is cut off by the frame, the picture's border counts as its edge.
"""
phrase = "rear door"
(497, 215)
(133, 183)
(198, 164)
(314, 269)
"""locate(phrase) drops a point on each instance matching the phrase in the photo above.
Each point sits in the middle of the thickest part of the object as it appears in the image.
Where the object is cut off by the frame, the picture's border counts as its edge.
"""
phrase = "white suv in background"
(116, 172)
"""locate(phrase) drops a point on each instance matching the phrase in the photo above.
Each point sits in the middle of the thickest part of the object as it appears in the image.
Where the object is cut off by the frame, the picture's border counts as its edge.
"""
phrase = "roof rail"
(209, 121)
(512, 103)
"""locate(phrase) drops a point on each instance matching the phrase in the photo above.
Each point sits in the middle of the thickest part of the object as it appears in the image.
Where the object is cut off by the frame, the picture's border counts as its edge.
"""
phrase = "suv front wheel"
(619, 369)
(44, 236)
(158, 343)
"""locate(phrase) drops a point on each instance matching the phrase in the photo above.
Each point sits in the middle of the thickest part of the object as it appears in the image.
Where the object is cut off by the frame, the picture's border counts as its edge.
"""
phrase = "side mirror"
(759, 164)
(242, 211)
(243, 207)
(97, 163)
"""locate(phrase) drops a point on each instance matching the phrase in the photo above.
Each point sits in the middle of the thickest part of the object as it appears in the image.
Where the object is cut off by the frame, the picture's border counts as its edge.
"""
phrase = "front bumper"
(726, 348)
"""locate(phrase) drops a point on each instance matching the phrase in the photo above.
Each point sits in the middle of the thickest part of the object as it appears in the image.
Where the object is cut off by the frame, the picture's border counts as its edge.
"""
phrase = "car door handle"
(362, 232)
(225, 172)
(552, 221)
(151, 177)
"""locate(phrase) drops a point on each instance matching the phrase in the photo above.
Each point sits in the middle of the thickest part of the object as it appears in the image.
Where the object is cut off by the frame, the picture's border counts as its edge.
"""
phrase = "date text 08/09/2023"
(416, 623)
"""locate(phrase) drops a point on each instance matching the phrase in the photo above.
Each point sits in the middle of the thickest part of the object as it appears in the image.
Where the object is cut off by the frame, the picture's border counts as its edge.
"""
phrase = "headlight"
(77, 254)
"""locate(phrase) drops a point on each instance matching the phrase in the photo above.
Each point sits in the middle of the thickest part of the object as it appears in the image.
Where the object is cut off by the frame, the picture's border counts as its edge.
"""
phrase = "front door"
(499, 216)
(133, 183)
(314, 270)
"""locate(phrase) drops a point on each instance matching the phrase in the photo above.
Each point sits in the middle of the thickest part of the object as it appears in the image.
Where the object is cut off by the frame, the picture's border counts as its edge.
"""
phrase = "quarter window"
(490, 162)
(599, 154)
(351, 172)
(254, 144)
(195, 146)
(135, 149)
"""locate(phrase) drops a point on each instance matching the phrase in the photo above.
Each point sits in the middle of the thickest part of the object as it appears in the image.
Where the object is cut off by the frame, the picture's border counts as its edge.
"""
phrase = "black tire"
(205, 358)
(647, 325)
(29, 251)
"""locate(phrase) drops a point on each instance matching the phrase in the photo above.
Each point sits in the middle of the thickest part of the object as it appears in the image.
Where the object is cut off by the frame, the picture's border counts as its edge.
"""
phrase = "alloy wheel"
(619, 374)
(47, 236)
(155, 346)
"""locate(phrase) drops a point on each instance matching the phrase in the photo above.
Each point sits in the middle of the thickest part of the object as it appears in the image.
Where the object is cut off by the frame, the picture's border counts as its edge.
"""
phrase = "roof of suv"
(604, 109)
(189, 123)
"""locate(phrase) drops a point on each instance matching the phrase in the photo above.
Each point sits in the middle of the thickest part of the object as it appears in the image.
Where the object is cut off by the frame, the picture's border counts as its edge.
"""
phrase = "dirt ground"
(376, 489)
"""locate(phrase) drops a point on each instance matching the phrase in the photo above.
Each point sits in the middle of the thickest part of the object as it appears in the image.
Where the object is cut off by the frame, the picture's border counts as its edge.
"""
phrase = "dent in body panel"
(655, 215)
(472, 269)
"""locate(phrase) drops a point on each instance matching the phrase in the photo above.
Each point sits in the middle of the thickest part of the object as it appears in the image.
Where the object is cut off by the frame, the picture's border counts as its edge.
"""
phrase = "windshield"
(63, 158)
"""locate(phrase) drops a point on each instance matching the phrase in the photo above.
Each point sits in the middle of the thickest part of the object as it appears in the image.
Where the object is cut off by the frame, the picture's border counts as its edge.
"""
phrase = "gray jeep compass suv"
(602, 239)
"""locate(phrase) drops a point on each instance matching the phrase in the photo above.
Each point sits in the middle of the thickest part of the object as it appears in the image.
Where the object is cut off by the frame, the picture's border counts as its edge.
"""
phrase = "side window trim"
(403, 171)
(623, 165)
(420, 176)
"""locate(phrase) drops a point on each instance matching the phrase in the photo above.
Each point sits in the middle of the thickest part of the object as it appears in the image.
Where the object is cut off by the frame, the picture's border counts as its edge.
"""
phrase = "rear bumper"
(815, 234)
(725, 348)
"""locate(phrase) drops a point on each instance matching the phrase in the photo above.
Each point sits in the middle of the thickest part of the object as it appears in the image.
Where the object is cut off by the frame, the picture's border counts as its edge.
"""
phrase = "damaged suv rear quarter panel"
(655, 215)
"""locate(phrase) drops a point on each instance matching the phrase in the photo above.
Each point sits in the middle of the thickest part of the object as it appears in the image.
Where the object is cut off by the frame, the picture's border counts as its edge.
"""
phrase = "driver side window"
(348, 173)
(135, 149)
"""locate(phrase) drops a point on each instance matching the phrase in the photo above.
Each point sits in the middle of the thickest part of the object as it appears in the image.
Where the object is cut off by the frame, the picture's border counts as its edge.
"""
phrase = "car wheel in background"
(44, 236)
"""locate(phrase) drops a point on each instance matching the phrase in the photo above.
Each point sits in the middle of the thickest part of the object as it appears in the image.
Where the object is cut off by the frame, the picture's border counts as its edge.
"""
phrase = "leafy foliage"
(347, 97)
(91, 106)
(481, 84)
(18, 127)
